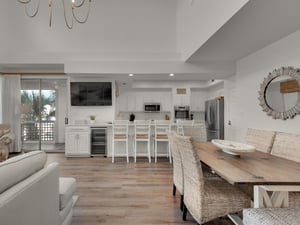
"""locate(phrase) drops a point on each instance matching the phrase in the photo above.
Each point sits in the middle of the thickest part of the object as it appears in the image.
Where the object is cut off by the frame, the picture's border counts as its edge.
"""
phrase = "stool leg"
(149, 154)
(135, 144)
(113, 151)
(127, 157)
(155, 151)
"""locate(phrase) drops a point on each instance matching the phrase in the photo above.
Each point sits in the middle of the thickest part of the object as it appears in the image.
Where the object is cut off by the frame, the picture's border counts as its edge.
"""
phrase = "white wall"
(196, 23)
(215, 91)
(1, 107)
(244, 106)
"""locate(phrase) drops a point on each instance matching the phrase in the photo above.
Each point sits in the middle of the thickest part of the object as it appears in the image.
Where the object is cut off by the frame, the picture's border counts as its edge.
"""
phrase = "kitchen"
(130, 97)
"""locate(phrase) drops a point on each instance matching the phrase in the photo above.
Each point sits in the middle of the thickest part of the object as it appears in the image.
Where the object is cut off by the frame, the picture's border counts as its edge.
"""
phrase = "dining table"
(254, 167)
(266, 172)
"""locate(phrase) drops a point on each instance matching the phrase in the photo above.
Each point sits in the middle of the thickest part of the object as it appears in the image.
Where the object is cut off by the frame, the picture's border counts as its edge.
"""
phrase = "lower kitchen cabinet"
(78, 141)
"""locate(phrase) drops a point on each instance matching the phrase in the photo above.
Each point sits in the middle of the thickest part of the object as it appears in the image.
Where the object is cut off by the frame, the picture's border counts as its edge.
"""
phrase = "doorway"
(43, 112)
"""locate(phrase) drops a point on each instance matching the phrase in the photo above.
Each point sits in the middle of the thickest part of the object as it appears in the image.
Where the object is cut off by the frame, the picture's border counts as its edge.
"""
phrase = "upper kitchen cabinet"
(181, 96)
(122, 102)
(166, 102)
(151, 98)
(133, 100)
(198, 98)
(127, 102)
(139, 103)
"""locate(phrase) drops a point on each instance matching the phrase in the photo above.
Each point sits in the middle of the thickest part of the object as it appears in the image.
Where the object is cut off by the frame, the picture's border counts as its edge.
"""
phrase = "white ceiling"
(258, 24)
(140, 34)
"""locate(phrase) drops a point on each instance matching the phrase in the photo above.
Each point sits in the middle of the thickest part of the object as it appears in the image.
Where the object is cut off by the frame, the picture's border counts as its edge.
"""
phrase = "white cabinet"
(139, 103)
(78, 141)
(123, 103)
(131, 102)
(198, 98)
(166, 103)
(152, 99)
(181, 98)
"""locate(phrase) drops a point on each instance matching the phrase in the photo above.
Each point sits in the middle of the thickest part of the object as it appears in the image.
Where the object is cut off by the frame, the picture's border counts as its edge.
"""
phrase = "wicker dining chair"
(206, 199)
(178, 170)
(262, 140)
(180, 123)
(196, 132)
(177, 167)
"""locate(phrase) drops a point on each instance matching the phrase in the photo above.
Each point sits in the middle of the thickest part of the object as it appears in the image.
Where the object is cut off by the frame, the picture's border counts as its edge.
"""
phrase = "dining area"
(256, 182)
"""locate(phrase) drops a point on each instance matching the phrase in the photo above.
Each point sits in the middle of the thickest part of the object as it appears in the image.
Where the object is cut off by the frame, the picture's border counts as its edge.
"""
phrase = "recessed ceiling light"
(171, 74)
(131, 75)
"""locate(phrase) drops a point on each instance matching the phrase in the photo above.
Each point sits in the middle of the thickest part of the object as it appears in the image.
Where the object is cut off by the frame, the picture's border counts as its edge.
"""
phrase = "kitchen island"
(79, 141)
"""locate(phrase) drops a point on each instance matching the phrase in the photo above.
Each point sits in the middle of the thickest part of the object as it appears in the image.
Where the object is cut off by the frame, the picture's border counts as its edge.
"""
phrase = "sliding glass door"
(43, 111)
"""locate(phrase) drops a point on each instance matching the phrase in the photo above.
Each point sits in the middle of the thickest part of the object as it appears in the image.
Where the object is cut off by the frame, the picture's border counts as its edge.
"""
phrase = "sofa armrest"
(33, 201)
(67, 188)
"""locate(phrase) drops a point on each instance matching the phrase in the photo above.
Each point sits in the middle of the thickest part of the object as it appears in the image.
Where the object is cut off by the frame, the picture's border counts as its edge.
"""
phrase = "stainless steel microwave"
(152, 107)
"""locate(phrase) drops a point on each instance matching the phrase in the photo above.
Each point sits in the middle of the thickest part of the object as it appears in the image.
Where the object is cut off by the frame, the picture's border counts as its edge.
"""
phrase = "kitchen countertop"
(108, 124)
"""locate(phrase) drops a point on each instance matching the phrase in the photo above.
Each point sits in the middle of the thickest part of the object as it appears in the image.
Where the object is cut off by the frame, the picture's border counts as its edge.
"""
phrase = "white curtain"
(11, 99)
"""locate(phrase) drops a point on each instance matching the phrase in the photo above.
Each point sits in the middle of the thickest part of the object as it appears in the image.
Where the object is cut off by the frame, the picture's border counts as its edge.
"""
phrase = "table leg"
(262, 199)
(235, 219)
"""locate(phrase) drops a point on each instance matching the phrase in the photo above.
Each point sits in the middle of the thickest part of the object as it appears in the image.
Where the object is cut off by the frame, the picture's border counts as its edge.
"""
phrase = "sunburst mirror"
(279, 94)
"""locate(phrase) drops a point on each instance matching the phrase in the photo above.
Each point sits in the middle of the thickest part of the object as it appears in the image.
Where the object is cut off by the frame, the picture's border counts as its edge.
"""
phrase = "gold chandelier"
(72, 5)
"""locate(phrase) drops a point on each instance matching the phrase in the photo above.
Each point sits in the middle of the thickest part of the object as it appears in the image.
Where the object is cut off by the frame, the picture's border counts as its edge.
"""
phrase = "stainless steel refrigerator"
(214, 119)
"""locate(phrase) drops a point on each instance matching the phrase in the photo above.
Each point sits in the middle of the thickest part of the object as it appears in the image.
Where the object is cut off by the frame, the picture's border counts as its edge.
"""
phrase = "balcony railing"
(33, 130)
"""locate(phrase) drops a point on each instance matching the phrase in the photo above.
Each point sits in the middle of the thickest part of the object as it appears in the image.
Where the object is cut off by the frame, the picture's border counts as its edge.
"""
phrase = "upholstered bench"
(271, 216)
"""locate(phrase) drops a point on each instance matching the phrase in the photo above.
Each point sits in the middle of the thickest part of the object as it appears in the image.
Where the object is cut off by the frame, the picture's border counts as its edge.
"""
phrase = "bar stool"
(160, 135)
(180, 123)
(142, 134)
(120, 134)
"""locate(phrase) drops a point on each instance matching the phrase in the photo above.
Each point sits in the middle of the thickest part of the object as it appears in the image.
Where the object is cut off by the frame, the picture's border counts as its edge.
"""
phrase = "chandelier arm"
(24, 2)
(50, 12)
(79, 5)
(70, 26)
(36, 11)
(87, 16)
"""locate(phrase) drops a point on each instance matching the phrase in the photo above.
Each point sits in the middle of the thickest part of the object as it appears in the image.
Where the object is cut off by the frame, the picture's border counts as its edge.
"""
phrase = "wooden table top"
(254, 168)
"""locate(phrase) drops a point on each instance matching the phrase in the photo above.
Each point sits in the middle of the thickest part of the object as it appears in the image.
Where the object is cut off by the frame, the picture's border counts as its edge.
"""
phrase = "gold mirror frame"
(292, 112)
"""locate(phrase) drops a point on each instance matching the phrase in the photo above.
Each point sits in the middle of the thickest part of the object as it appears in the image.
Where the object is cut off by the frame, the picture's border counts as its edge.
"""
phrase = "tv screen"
(91, 94)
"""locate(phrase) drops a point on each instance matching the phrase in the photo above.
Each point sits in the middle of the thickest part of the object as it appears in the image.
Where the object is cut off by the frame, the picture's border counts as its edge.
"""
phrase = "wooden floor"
(121, 193)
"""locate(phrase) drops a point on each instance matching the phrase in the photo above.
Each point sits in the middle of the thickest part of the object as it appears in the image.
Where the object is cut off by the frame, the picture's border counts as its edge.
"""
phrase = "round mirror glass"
(279, 94)
(277, 97)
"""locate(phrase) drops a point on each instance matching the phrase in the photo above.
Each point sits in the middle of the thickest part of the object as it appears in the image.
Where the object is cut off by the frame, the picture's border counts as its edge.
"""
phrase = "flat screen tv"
(91, 93)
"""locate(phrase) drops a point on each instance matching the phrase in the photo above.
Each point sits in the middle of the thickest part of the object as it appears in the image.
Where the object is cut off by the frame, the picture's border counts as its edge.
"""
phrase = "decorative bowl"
(232, 147)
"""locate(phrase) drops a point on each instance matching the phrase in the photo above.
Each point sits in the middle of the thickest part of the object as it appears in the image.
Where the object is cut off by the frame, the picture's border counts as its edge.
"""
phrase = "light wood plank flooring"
(121, 193)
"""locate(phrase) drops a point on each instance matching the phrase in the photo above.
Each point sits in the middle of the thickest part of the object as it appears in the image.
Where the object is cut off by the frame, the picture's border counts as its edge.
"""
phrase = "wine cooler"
(98, 141)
